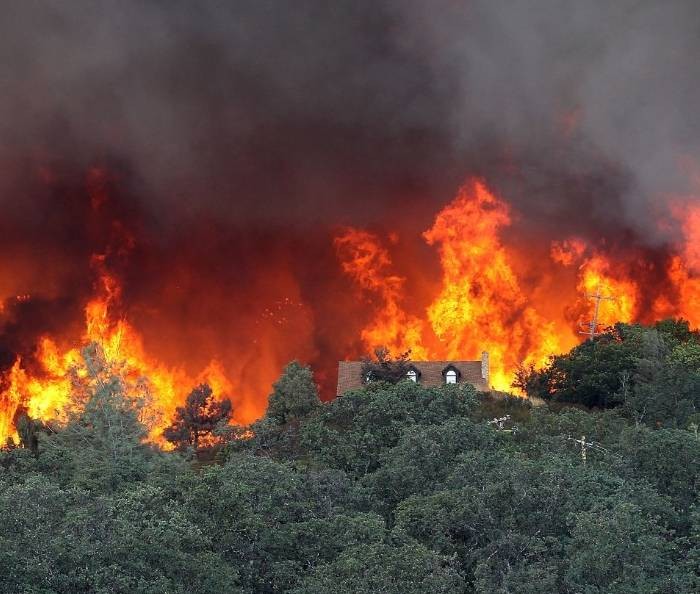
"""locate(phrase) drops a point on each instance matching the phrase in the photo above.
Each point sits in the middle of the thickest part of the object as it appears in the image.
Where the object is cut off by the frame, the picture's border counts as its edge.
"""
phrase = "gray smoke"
(234, 137)
(626, 71)
(294, 112)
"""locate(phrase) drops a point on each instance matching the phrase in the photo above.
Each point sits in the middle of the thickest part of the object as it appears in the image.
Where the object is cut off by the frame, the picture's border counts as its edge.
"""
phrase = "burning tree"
(199, 418)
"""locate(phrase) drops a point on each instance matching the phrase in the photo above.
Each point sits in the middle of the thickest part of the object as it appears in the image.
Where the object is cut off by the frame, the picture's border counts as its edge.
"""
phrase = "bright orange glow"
(486, 289)
(568, 251)
(691, 230)
(684, 267)
(689, 291)
(50, 395)
(597, 278)
(480, 304)
(487, 302)
(368, 263)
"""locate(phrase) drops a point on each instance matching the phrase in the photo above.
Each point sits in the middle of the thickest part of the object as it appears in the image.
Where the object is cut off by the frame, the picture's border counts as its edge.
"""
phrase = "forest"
(394, 488)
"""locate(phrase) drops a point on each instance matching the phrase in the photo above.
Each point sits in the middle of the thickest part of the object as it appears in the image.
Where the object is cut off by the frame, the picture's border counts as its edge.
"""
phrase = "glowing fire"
(597, 279)
(53, 393)
(366, 261)
(481, 305)
(483, 302)
(491, 294)
(167, 356)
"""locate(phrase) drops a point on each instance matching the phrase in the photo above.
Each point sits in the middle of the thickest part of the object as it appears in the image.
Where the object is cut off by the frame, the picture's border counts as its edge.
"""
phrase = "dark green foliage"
(294, 395)
(407, 569)
(393, 488)
(632, 552)
(653, 373)
(199, 418)
(590, 374)
(353, 431)
(384, 368)
(100, 446)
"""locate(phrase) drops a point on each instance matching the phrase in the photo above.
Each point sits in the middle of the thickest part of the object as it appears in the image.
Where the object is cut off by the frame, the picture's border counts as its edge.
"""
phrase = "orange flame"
(483, 302)
(368, 263)
(488, 296)
(480, 305)
(619, 295)
(568, 251)
(57, 390)
(684, 268)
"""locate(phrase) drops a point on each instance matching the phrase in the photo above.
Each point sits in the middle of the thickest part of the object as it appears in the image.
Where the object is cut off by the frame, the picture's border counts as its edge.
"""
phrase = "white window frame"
(450, 376)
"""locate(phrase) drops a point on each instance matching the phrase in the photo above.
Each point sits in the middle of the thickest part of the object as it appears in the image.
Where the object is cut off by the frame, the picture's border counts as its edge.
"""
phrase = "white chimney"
(485, 366)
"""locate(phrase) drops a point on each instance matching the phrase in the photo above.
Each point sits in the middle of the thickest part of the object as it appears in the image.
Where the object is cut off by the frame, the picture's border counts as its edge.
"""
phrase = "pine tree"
(294, 395)
(200, 416)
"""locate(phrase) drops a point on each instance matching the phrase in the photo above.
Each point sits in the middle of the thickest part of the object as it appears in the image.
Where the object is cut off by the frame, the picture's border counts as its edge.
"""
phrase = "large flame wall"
(519, 306)
(210, 192)
(166, 320)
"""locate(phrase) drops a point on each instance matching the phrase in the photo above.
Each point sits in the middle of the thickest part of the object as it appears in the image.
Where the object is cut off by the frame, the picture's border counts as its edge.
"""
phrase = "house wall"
(473, 372)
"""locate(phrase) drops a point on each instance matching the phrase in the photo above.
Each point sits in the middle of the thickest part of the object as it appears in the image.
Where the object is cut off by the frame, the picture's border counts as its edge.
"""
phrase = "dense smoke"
(229, 141)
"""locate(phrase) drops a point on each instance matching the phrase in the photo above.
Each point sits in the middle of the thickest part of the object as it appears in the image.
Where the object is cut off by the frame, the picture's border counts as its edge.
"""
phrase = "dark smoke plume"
(235, 137)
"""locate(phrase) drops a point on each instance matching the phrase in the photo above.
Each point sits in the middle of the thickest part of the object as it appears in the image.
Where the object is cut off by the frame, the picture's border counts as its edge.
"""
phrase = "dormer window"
(451, 374)
(413, 373)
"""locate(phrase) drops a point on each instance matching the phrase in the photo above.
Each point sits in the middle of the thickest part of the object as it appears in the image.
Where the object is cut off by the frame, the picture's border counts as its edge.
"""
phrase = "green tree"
(653, 372)
(101, 446)
(294, 395)
(590, 373)
(352, 432)
(406, 569)
(199, 418)
(617, 549)
(385, 368)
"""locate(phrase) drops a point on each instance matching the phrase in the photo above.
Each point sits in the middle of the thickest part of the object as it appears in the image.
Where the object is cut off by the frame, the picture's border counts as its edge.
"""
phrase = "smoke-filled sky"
(308, 111)
(238, 136)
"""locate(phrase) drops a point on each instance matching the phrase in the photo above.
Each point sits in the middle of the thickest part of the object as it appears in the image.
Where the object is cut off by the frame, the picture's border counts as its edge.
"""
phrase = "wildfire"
(597, 279)
(490, 294)
(484, 303)
(481, 304)
(369, 264)
(51, 394)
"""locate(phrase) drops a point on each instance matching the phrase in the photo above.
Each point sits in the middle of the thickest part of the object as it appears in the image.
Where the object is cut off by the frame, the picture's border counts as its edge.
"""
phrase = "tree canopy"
(294, 395)
(653, 372)
(198, 419)
(395, 488)
(385, 368)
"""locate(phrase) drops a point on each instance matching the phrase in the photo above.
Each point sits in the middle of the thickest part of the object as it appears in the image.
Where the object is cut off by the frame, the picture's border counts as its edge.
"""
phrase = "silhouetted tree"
(294, 394)
(28, 431)
(384, 368)
(199, 417)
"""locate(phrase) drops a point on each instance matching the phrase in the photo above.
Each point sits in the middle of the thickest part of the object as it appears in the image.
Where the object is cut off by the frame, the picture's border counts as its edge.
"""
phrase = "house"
(427, 373)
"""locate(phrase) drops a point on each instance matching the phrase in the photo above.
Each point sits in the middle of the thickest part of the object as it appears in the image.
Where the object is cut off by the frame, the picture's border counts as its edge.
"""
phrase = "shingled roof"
(430, 373)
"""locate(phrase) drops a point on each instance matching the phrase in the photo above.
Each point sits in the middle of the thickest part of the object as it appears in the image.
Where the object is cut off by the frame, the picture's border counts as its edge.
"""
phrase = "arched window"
(412, 375)
(451, 376)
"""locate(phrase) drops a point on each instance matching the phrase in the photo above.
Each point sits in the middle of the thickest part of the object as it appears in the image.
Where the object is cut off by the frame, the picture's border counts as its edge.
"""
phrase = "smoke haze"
(230, 141)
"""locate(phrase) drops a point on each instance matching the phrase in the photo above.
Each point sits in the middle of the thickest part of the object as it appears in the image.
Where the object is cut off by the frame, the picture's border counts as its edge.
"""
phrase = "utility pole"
(584, 446)
(592, 331)
(590, 445)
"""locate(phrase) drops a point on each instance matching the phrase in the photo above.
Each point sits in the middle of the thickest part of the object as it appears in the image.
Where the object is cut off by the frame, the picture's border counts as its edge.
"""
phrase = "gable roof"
(430, 374)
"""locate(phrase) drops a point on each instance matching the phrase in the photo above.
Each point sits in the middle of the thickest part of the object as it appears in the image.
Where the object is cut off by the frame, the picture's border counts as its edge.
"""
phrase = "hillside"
(394, 488)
